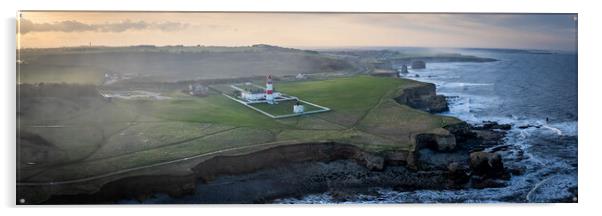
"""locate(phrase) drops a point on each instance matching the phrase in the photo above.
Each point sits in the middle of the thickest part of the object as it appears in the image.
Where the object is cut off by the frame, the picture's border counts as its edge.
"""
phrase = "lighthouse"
(269, 90)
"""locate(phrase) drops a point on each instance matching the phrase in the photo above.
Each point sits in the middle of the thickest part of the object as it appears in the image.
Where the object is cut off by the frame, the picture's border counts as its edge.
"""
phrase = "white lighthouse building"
(269, 90)
(253, 93)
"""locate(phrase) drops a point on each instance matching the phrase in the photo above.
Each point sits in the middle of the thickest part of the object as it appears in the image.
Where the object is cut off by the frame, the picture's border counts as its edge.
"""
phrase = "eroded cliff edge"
(423, 97)
(438, 161)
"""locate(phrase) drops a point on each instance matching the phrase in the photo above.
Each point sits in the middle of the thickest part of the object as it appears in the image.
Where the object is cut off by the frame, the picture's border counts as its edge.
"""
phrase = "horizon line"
(299, 47)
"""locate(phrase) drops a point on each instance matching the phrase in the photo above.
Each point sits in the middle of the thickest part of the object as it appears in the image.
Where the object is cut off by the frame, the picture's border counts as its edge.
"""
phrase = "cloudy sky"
(530, 31)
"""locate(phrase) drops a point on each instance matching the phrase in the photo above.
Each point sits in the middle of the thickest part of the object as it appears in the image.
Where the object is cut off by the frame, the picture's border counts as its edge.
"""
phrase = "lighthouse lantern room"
(269, 90)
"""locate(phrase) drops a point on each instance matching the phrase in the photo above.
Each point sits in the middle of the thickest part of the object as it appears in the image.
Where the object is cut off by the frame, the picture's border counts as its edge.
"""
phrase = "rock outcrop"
(247, 163)
(423, 97)
(457, 174)
(487, 164)
(462, 131)
(404, 69)
(436, 142)
(488, 125)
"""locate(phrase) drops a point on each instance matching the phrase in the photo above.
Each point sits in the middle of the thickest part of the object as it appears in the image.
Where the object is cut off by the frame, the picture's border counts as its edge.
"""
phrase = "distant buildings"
(198, 90)
(111, 78)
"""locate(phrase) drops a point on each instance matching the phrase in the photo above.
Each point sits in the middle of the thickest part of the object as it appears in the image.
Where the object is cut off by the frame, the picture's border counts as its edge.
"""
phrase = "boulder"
(487, 164)
(490, 137)
(438, 104)
(445, 142)
(372, 162)
(457, 174)
(412, 162)
(418, 64)
(462, 131)
(404, 69)
(488, 125)
(437, 142)
(423, 97)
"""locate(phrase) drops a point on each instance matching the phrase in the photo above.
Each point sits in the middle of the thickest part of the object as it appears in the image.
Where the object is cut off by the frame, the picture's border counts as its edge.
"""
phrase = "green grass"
(212, 109)
(131, 133)
(283, 107)
(344, 94)
(39, 73)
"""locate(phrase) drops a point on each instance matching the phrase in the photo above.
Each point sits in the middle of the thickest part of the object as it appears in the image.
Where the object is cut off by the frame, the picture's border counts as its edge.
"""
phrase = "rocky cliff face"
(436, 142)
(142, 187)
(438, 161)
(423, 97)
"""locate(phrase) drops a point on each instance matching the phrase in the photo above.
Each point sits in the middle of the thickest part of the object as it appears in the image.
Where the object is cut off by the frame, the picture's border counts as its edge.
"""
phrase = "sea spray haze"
(168, 107)
(535, 92)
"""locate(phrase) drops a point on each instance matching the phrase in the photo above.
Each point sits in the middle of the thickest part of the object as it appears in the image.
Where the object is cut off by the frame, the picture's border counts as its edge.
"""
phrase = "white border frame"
(589, 13)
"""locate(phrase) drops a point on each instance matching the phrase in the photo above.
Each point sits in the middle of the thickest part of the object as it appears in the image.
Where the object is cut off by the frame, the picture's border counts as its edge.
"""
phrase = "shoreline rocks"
(404, 171)
(457, 174)
(488, 125)
(424, 98)
(486, 164)
(441, 143)
(438, 162)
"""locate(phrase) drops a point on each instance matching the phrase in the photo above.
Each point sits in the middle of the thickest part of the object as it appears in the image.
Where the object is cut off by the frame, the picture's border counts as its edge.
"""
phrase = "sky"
(298, 30)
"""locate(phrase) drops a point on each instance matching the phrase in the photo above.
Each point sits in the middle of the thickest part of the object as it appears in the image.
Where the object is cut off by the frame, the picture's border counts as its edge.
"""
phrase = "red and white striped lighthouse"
(269, 90)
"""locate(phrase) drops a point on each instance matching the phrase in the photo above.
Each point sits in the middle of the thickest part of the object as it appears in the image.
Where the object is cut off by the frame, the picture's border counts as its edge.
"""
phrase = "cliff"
(386, 142)
(424, 98)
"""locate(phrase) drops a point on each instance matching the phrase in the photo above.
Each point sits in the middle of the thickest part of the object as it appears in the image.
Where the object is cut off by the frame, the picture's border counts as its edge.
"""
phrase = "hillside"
(92, 137)
(88, 65)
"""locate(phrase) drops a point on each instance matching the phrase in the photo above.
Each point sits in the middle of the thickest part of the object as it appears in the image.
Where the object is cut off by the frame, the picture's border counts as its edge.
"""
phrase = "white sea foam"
(547, 178)
(464, 84)
(567, 128)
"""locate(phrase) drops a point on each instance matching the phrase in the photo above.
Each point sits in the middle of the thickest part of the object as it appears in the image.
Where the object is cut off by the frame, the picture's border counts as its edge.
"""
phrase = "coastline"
(400, 169)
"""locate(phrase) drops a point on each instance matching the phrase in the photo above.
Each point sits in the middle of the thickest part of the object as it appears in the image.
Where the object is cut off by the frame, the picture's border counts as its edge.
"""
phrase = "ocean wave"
(568, 128)
(556, 187)
(463, 84)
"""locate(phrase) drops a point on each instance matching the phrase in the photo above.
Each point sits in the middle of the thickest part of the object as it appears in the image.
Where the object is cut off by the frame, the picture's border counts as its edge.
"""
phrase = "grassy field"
(48, 73)
(173, 63)
(101, 137)
(283, 107)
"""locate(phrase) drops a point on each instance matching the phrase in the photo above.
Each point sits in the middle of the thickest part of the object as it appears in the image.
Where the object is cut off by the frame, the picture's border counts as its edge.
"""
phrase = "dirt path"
(87, 160)
(80, 180)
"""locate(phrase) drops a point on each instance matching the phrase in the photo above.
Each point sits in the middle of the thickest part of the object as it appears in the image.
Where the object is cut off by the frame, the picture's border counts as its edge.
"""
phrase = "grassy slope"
(364, 114)
(170, 64)
(48, 73)
(283, 107)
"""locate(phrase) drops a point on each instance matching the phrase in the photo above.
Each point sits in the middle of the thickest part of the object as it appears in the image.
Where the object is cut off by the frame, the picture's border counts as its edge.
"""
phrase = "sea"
(535, 92)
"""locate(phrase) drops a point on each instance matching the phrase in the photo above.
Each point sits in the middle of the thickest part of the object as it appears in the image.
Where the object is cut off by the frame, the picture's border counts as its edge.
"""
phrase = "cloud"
(27, 26)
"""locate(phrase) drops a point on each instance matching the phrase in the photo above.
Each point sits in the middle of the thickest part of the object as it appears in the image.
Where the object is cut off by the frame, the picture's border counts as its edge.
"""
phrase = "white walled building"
(298, 108)
(268, 94)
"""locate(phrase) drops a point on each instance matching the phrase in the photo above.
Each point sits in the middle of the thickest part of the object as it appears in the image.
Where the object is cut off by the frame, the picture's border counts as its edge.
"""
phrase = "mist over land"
(161, 123)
